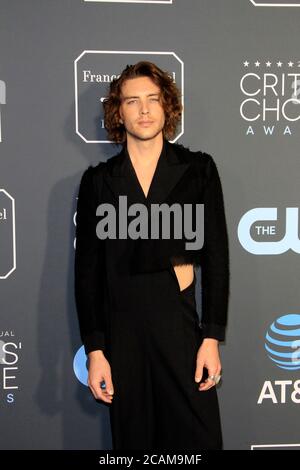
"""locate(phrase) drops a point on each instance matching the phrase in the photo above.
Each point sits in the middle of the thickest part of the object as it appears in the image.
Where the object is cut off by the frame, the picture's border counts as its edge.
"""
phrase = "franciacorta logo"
(95, 69)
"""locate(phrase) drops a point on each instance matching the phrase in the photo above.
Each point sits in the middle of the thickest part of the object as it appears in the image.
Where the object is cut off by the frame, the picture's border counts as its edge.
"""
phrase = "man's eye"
(131, 101)
(154, 99)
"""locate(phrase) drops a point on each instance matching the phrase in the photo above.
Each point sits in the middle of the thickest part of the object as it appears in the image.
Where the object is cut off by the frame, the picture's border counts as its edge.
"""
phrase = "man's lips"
(145, 123)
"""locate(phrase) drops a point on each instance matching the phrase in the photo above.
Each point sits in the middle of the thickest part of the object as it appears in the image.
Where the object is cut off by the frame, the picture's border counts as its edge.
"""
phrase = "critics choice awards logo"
(270, 96)
(10, 349)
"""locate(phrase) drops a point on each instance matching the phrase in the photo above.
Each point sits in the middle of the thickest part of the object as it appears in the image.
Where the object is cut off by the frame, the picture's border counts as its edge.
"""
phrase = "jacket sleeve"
(215, 257)
(88, 296)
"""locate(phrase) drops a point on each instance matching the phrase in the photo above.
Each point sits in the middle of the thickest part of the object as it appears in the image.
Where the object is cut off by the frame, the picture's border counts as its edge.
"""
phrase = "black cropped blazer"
(181, 176)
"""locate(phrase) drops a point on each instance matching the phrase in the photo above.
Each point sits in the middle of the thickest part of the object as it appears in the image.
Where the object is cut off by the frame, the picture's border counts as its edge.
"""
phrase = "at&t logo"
(282, 343)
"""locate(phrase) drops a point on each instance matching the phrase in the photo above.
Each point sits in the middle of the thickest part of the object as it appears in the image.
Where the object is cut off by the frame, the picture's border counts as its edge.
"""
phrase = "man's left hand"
(208, 356)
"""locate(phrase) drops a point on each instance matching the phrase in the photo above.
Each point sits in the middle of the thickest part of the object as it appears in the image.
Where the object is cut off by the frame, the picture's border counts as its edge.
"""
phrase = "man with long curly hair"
(150, 357)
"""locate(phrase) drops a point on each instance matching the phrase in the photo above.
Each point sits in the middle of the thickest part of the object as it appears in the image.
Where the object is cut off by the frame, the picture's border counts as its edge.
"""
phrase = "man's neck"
(144, 152)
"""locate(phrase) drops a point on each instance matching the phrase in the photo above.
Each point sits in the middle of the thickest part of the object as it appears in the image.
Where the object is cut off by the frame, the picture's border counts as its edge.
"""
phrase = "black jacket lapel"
(121, 179)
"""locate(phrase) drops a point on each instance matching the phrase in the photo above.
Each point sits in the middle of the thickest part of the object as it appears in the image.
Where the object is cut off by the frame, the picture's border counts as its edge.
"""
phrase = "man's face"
(141, 109)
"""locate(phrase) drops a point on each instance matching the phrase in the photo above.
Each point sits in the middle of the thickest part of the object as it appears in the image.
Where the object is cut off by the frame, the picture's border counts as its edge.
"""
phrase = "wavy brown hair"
(170, 96)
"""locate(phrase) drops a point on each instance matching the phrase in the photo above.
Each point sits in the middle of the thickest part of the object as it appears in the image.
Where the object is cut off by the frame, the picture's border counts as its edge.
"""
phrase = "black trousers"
(157, 404)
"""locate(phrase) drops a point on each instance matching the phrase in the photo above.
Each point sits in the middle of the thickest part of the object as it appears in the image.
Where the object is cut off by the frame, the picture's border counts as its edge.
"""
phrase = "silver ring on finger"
(215, 378)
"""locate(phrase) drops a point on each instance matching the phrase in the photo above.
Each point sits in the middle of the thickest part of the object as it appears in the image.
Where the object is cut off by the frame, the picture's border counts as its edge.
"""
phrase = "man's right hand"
(99, 370)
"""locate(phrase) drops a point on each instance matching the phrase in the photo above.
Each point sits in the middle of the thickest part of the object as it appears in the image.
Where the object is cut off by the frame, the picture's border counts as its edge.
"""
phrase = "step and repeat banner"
(237, 65)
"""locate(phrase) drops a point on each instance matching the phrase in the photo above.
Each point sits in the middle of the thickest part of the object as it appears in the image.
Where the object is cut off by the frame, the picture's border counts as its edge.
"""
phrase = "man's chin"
(144, 136)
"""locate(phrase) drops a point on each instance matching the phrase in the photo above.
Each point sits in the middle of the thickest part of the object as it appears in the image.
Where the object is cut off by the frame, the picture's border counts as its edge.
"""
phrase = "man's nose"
(144, 107)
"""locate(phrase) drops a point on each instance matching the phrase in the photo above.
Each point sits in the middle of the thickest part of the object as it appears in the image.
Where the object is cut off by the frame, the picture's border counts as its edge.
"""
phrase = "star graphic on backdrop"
(268, 63)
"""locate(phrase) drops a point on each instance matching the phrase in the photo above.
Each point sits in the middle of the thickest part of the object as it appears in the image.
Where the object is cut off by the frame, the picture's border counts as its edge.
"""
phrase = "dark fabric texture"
(130, 305)
(182, 177)
(157, 404)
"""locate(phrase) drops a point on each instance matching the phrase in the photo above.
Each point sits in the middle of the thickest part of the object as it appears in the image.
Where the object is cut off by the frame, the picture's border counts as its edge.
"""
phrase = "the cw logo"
(289, 241)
